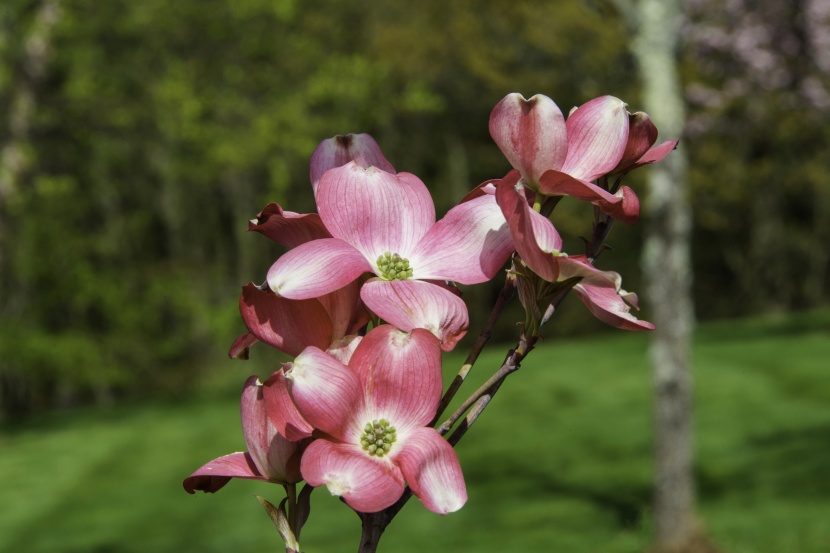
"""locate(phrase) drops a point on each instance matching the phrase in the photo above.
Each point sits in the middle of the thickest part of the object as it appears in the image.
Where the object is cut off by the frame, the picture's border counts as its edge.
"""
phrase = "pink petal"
(373, 210)
(343, 349)
(239, 348)
(657, 153)
(608, 306)
(345, 311)
(401, 373)
(281, 411)
(556, 183)
(327, 393)
(288, 325)
(469, 245)
(410, 304)
(597, 136)
(306, 271)
(431, 468)
(367, 484)
(340, 150)
(213, 476)
(641, 135)
(288, 228)
(533, 234)
(530, 133)
(580, 266)
(271, 453)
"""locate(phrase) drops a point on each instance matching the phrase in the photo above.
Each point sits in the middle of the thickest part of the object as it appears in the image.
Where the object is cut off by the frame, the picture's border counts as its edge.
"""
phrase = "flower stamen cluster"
(392, 266)
(378, 437)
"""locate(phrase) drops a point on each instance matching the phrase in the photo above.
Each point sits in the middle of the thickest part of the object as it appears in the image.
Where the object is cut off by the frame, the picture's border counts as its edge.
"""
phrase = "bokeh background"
(137, 138)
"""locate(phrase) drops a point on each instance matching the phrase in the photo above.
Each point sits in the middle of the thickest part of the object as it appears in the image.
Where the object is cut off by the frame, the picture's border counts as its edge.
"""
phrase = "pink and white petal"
(411, 304)
(345, 311)
(431, 468)
(597, 137)
(609, 307)
(373, 210)
(579, 266)
(288, 228)
(240, 346)
(340, 150)
(469, 245)
(367, 484)
(327, 393)
(281, 411)
(306, 271)
(530, 133)
(271, 452)
(623, 206)
(288, 325)
(401, 374)
(641, 135)
(213, 476)
(343, 349)
(534, 236)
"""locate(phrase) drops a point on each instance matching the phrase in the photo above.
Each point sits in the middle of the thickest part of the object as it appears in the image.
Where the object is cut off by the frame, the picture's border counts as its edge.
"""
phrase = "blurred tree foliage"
(159, 128)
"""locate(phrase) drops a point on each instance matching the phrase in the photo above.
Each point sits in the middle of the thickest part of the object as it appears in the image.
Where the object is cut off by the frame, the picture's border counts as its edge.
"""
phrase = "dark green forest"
(138, 138)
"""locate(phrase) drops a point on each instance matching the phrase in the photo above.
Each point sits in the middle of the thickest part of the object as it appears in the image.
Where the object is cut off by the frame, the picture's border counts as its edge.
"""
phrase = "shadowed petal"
(597, 137)
(530, 133)
(340, 150)
(239, 348)
(410, 304)
(609, 307)
(431, 468)
(345, 310)
(580, 266)
(469, 245)
(213, 476)
(656, 153)
(281, 410)
(288, 228)
(306, 271)
(641, 136)
(556, 183)
(288, 325)
(373, 210)
(327, 393)
(401, 373)
(367, 484)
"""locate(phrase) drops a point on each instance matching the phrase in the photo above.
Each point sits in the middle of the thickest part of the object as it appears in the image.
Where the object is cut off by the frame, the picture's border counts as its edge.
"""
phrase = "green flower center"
(392, 266)
(378, 437)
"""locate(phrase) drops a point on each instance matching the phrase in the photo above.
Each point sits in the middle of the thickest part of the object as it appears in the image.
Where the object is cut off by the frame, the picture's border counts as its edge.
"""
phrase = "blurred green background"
(137, 139)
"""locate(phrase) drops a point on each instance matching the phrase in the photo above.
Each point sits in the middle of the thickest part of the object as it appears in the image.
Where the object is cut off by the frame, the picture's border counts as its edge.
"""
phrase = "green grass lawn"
(560, 461)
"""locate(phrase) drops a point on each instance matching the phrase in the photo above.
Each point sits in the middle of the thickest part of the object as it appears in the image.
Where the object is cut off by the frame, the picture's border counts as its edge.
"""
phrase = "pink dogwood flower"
(384, 224)
(270, 457)
(561, 158)
(640, 149)
(372, 417)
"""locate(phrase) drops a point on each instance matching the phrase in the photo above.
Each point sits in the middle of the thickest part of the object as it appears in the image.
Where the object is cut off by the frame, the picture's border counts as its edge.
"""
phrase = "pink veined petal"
(624, 207)
(306, 271)
(628, 210)
(213, 476)
(411, 304)
(597, 136)
(340, 150)
(345, 311)
(610, 308)
(343, 349)
(288, 325)
(327, 394)
(272, 453)
(401, 375)
(533, 234)
(373, 210)
(579, 266)
(286, 227)
(431, 468)
(530, 133)
(487, 187)
(367, 484)
(655, 154)
(281, 411)
(469, 245)
(641, 136)
(240, 346)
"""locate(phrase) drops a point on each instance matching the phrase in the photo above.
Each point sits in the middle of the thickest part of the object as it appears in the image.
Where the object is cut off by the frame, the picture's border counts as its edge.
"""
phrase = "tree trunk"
(667, 270)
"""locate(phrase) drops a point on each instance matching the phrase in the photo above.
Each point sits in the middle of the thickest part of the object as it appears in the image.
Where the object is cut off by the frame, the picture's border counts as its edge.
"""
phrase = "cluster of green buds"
(378, 437)
(392, 266)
